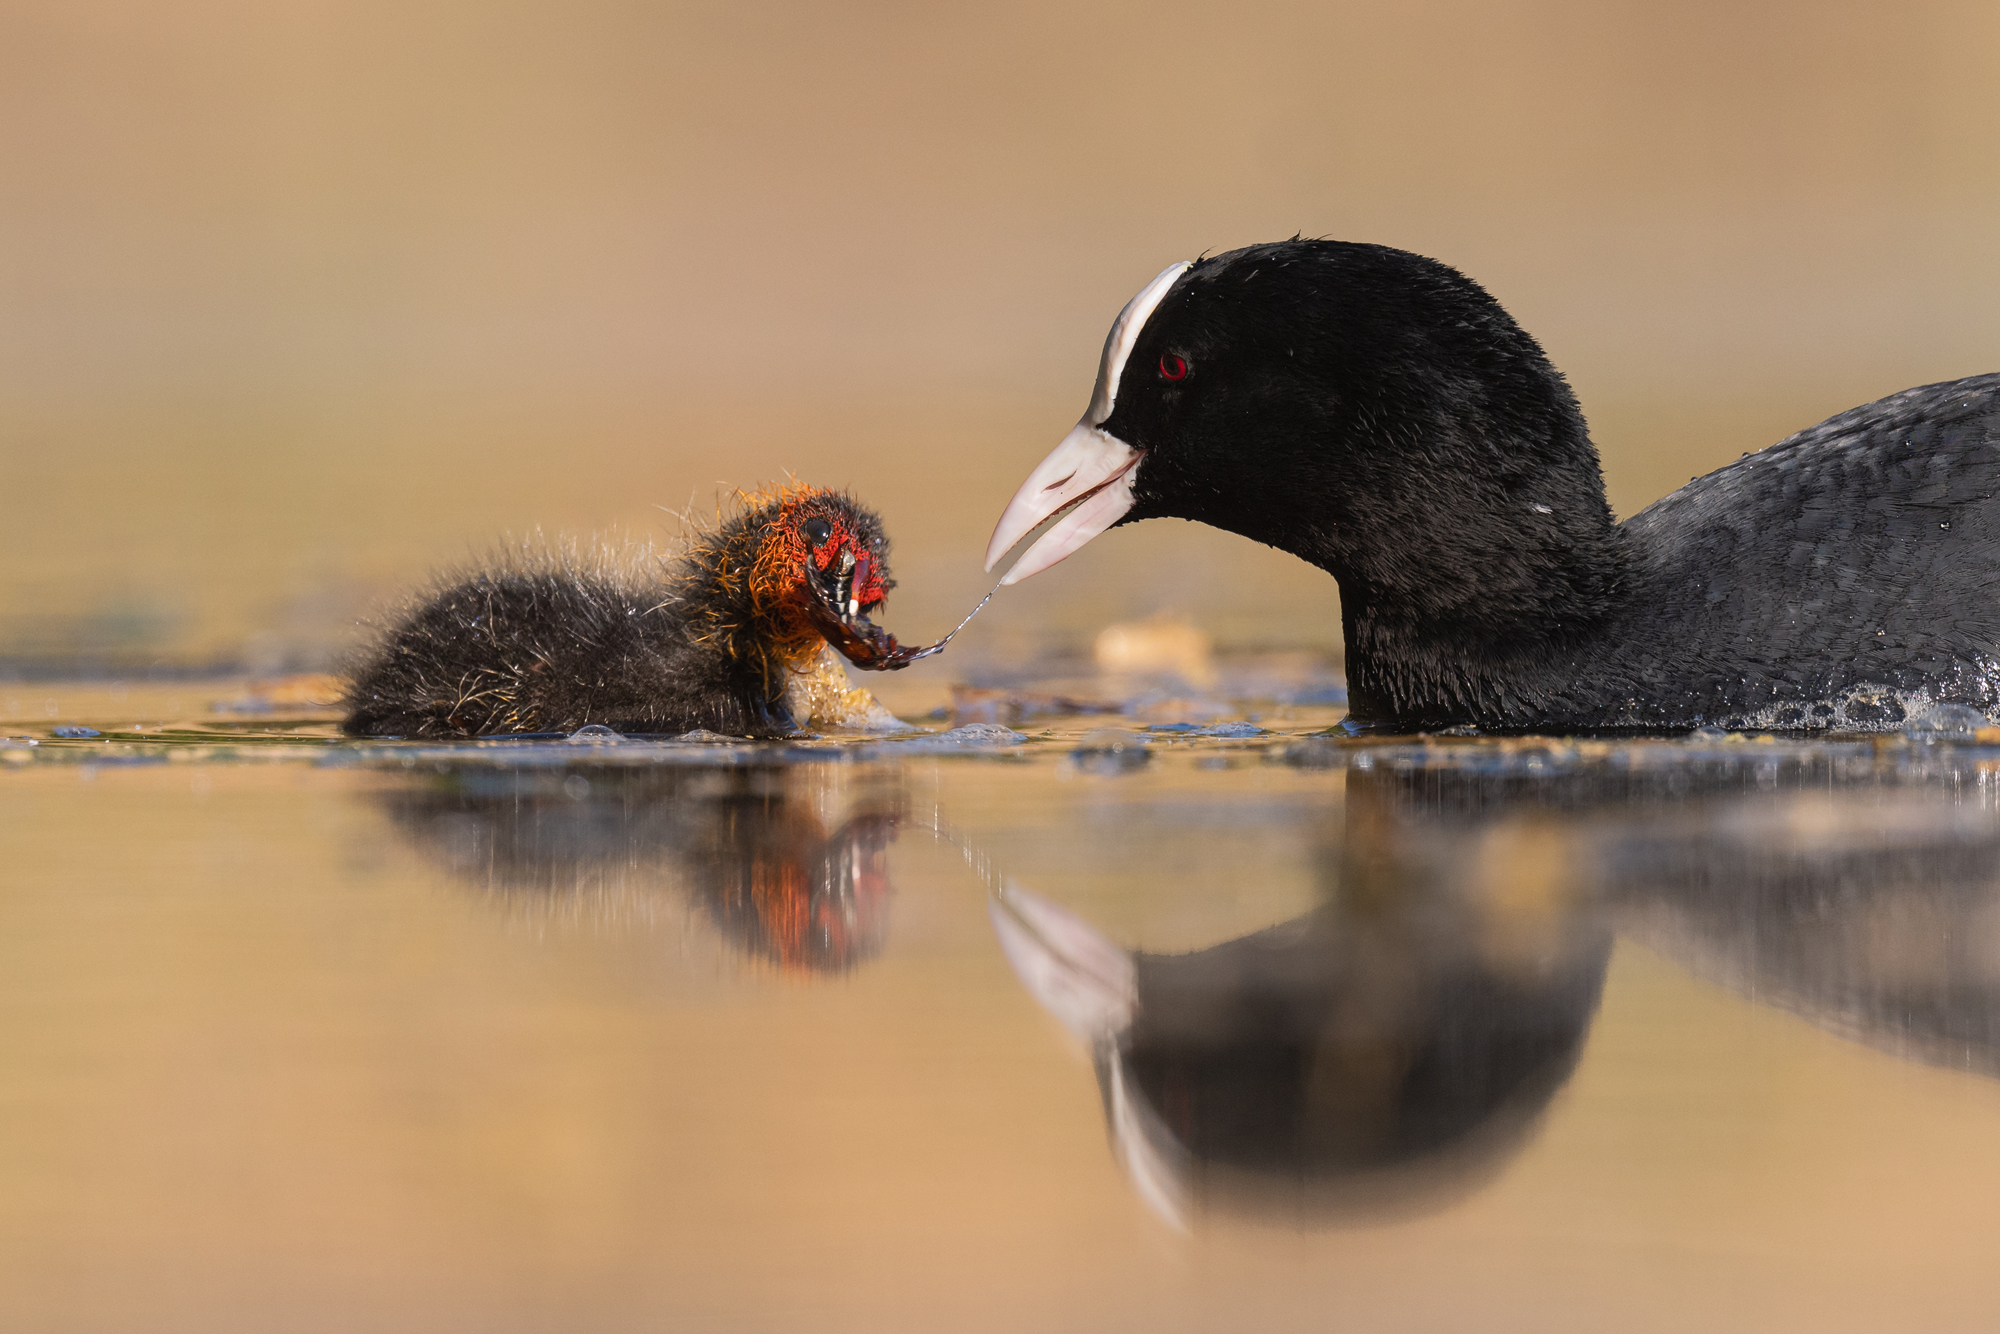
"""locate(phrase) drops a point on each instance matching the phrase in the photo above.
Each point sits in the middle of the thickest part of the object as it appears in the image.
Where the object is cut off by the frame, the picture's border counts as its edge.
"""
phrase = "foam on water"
(1862, 708)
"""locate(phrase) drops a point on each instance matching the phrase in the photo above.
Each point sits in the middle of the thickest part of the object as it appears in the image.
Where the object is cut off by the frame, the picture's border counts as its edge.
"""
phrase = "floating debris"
(1111, 750)
(1193, 730)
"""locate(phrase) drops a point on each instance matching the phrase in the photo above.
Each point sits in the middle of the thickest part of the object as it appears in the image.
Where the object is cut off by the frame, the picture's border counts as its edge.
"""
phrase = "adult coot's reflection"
(1385, 1051)
(1398, 1042)
(1874, 915)
(789, 861)
(1855, 885)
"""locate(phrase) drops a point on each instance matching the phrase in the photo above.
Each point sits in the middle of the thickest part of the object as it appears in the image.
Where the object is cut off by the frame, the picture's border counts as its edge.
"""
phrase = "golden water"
(299, 1033)
(305, 301)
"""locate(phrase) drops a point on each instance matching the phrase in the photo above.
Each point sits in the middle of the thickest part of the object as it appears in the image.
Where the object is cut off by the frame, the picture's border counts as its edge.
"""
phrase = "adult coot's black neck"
(1379, 415)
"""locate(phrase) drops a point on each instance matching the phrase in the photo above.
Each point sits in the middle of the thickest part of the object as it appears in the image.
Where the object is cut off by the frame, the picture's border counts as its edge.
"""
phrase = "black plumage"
(554, 640)
(1381, 416)
(1388, 1050)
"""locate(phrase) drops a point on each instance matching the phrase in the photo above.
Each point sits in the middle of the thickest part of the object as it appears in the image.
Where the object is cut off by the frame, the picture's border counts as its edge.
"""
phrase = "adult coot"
(719, 639)
(1378, 414)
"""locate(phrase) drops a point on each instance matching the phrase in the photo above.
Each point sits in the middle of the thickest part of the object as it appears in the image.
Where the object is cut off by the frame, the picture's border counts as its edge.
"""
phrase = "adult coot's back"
(1378, 414)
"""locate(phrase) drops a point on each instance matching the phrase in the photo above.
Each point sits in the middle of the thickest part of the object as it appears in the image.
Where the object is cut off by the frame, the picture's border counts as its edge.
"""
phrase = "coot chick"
(1378, 414)
(558, 640)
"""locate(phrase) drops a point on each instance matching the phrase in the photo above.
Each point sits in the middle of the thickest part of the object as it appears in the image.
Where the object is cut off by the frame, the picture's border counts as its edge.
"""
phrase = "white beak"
(1090, 471)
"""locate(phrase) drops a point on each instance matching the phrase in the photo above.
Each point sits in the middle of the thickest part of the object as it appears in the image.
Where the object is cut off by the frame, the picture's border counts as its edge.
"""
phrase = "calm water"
(1092, 1029)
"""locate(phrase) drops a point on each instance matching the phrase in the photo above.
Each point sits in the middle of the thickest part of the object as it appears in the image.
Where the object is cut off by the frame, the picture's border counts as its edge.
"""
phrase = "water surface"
(1052, 1027)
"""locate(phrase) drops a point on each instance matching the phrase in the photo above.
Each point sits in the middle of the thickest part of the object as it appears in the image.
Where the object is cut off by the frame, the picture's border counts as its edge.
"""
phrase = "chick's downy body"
(554, 640)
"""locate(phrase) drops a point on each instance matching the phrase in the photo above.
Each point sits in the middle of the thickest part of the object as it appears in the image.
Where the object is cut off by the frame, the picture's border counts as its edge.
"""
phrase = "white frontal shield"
(1090, 473)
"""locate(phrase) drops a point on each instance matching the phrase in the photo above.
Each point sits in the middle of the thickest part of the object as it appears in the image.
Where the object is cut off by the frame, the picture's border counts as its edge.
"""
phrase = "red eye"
(1172, 367)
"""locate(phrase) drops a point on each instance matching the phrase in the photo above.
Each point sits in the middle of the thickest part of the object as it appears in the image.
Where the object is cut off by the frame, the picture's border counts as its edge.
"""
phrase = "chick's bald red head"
(820, 566)
(810, 544)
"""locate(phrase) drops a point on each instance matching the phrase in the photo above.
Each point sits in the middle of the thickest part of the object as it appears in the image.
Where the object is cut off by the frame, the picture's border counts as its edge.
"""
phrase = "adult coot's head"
(1370, 410)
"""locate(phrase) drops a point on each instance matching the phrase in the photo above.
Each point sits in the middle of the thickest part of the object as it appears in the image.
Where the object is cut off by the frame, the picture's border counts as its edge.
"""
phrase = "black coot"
(1378, 414)
(554, 642)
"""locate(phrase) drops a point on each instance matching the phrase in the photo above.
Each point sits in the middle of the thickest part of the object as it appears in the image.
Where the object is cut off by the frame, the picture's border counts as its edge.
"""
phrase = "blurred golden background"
(301, 299)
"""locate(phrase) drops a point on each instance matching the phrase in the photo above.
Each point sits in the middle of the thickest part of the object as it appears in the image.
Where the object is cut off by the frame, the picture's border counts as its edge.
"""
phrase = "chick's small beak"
(835, 604)
(836, 608)
(1090, 474)
(835, 585)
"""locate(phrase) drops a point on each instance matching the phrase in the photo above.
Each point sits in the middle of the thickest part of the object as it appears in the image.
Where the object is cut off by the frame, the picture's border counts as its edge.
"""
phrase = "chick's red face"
(836, 549)
(821, 568)
(845, 578)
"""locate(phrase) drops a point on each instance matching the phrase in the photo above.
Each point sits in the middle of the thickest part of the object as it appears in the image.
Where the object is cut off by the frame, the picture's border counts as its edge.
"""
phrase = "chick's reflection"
(788, 861)
(1384, 1052)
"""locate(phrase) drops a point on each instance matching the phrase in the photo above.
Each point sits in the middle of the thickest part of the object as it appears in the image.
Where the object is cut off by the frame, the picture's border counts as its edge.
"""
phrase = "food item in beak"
(837, 614)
